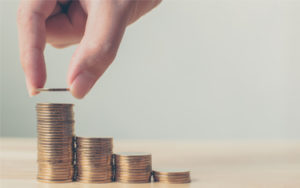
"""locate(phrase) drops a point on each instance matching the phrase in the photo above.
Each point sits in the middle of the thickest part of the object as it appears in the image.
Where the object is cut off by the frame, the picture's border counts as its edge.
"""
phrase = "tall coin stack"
(55, 142)
(133, 167)
(94, 160)
(172, 176)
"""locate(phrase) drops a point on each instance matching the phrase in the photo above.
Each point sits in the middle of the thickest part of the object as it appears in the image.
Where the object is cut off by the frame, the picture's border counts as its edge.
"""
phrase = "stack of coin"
(172, 176)
(133, 167)
(55, 142)
(94, 160)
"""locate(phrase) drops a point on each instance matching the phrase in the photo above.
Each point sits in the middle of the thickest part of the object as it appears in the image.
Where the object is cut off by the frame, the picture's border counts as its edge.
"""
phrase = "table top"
(213, 164)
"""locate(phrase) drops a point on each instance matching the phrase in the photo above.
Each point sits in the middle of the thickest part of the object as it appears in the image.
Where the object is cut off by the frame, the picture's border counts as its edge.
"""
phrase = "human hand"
(97, 25)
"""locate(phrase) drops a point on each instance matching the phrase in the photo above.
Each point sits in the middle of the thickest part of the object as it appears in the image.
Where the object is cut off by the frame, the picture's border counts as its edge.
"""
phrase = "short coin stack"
(172, 176)
(94, 160)
(133, 167)
(55, 142)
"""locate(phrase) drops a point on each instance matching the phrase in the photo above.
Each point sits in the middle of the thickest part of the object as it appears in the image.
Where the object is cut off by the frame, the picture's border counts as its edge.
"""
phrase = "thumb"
(98, 46)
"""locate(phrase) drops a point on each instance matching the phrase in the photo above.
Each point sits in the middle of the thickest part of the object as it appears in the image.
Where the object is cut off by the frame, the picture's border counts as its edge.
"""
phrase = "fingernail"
(31, 91)
(82, 84)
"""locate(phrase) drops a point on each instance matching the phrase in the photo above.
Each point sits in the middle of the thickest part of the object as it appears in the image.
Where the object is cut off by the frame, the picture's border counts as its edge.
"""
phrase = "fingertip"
(32, 91)
(32, 88)
(82, 84)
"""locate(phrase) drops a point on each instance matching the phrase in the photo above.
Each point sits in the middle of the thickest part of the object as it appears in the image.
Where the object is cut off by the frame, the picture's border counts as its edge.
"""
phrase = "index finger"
(32, 36)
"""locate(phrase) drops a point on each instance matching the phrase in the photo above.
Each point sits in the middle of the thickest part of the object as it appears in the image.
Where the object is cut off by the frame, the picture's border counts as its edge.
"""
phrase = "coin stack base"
(172, 176)
(55, 142)
(133, 167)
(94, 160)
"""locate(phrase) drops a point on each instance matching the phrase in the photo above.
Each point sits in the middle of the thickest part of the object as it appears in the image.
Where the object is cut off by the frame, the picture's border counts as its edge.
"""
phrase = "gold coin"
(172, 176)
(55, 142)
(133, 167)
(94, 159)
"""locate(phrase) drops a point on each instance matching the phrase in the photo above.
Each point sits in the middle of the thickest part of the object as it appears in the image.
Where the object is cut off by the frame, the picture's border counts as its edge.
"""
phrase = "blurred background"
(202, 69)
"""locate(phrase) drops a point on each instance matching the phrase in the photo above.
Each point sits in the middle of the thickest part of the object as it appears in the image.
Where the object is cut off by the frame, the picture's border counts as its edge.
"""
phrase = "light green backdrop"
(205, 69)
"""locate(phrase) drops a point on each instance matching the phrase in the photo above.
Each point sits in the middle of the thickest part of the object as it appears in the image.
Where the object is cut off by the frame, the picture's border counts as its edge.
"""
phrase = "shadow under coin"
(170, 185)
(112, 185)
(77, 185)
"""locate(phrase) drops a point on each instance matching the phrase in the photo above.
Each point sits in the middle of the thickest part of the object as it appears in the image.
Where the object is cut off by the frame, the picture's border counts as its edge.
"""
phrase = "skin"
(97, 25)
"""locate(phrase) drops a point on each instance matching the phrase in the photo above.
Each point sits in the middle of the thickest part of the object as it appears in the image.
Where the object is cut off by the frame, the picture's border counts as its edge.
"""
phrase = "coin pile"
(94, 160)
(133, 167)
(55, 142)
(172, 176)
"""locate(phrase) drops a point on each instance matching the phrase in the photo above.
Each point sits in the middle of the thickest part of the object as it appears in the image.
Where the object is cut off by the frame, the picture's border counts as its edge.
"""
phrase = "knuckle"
(59, 46)
(56, 43)
(99, 58)
(25, 16)
(125, 4)
(20, 14)
(108, 52)
(104, 53)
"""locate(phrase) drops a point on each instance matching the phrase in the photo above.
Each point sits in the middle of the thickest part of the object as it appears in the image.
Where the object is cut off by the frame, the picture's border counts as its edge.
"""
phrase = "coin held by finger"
(52, 89)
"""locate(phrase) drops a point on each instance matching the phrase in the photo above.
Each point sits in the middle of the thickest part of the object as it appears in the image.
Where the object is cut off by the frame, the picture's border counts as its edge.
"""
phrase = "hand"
(97, 25)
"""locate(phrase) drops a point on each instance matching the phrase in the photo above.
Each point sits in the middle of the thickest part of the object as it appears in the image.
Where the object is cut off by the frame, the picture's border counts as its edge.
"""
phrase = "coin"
(132, 167)
(63, 158)
(55, 129)
(172, 176)
(52, 89)
(94, 159)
